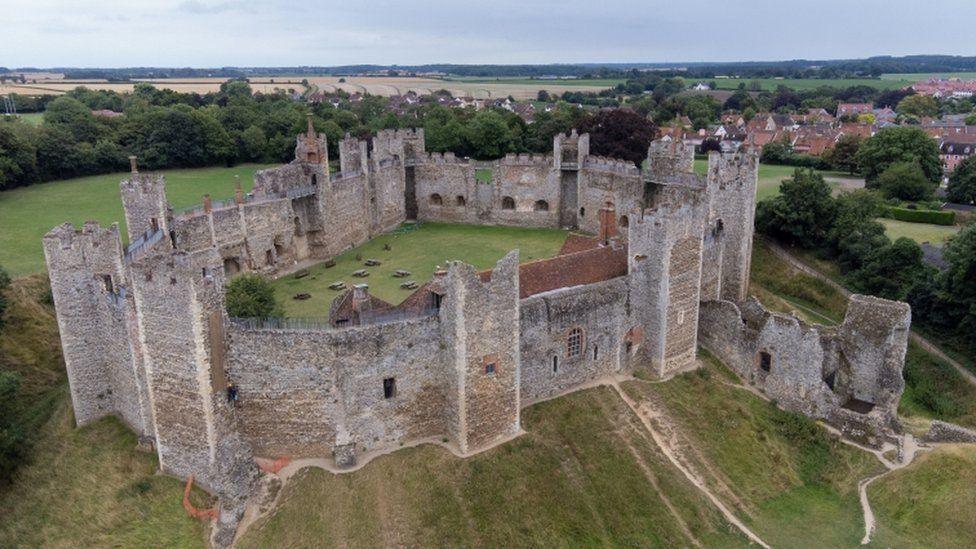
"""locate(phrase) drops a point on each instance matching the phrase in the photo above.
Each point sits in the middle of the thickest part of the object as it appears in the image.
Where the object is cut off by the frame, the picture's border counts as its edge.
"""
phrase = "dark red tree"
(619, 133)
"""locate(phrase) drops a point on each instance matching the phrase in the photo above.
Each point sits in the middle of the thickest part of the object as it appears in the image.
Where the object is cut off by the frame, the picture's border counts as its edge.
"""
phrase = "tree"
(958, 281)
(4, 284)
(892, 271)
(543, 95)
(254, 142)
(18, 156)
(962, 182)
(918, 106)
(12, 438)
(843, 155)
(905, 181)
(487, 135)
(802, 213)
(620, 134)
(898, 144)
(251, 296)
(855, 233)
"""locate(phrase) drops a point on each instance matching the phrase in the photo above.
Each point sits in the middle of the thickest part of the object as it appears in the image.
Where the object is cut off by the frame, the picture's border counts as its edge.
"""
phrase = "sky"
(214, 33)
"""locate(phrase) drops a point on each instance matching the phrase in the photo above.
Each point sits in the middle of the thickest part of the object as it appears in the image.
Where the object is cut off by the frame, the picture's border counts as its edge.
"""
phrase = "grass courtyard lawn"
(919, 232)
(28, 213)
(483, 175)
(930, 502)
(584, 474)
(418, 251)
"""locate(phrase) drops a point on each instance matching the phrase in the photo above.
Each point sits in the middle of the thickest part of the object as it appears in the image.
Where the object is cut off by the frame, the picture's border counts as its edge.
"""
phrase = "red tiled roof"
(578, 243)
(575, 269)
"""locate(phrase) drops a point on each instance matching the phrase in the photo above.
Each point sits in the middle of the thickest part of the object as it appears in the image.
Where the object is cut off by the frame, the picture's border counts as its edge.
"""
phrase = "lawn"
(28, 213)
(32, 118)
(791, 481)
(919, 232)
(771, 176)
(915, 77)
(584, 474)
(418, 251)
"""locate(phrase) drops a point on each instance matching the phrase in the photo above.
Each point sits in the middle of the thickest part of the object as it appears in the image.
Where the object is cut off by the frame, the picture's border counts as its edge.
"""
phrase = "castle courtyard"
(417, 249)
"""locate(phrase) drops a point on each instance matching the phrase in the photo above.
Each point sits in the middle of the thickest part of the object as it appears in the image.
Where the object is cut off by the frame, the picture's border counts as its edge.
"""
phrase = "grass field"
(794, 484)
(583, 475)
(28, 213)
(771, 84)
(32, 118)
(419, 252)
(919, 232)
(915, 77)
(771, 176)
(600, 82)
(928, 503)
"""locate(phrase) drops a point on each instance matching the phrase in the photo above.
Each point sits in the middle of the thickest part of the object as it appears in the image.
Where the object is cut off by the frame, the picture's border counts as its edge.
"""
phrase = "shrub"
(250, 295)
(12, 439)
(921, 216)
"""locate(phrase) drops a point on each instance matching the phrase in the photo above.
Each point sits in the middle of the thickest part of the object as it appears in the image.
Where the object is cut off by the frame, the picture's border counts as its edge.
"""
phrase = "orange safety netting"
(193, 511)
(269, 466)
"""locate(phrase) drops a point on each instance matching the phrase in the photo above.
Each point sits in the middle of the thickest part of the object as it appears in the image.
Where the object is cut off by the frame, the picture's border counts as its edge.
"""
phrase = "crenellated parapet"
(602, 163)
(525, 159)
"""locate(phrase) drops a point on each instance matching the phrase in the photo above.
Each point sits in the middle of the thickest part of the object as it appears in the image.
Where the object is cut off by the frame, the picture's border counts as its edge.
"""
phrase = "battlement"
(441, 158)
(401, 133)
(614, 165)
(524, 159)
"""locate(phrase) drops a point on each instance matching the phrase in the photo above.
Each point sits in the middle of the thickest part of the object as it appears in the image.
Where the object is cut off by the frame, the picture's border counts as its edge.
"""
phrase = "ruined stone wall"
(298, 388)
(546, 320)
(533, 185)
(88, 284)
(453, 180)
(818, 370)
(386, 203)
(345, 209)
(603, 180)
(353, 156)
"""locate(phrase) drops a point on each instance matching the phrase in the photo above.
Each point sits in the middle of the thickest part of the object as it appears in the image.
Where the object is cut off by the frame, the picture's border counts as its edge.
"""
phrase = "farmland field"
(27, 214)
(926, 75)
(770, 84)
(183, 85)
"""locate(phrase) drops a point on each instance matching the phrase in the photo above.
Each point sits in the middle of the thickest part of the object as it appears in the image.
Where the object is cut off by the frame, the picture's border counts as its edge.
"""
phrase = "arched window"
(435, 200)
(508, 203)
(461, 201)
(541, 206)
(624, 221)
(555, 363)
(574, 343)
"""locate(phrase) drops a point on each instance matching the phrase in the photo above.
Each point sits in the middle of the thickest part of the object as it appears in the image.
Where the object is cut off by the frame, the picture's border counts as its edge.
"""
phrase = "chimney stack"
(238, 191)
(360, 297)
(207, 204)
(132, 165)
(311, 127)
(608, 223)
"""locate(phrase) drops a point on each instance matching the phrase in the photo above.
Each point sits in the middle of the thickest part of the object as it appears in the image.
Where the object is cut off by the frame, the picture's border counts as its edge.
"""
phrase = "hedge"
(921, 216)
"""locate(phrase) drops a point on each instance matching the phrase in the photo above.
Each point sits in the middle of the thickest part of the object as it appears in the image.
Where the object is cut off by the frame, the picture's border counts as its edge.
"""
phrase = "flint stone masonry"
(849, 375)
(146, 336)
(940, 431)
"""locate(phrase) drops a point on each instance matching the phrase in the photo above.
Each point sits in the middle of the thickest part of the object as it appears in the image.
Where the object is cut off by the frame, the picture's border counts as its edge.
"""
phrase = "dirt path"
(668, 451)
(906, 454)
(922, 342)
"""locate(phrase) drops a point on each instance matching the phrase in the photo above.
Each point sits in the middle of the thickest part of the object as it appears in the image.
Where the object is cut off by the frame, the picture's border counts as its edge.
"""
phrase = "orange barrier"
(273, 466)
(211, 513)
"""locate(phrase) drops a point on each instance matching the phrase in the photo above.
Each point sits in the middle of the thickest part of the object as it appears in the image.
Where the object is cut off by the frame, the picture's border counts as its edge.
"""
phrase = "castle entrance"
(569, 200)
(410, 193)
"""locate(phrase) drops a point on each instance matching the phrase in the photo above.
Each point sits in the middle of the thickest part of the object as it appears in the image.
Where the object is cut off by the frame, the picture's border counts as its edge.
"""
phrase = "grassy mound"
(792, 482)
(418, 251)
(929, 503)
(27, 214)
(585, 473)
(89, 487)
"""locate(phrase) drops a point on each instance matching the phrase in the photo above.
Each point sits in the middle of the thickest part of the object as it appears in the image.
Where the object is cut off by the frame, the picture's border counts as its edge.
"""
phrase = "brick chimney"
(360, 297)
(238, 191)
(608, 223)
(207, 204)
(132, 165)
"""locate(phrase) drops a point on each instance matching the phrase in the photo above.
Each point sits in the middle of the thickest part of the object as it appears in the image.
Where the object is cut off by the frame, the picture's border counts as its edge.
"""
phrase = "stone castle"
(146, 336)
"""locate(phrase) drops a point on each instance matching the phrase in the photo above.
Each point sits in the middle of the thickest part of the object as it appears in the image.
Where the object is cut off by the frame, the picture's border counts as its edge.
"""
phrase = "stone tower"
(144, 202)
(311, 147)
(732, 182)
(665, 266)
(480, 319)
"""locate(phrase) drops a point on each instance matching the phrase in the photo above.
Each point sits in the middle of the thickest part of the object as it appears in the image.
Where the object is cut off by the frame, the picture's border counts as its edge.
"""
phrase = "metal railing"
(366, 318)
(138, 247)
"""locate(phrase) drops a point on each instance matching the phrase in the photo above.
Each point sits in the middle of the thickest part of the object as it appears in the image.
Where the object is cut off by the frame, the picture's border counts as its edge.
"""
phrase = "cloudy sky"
(208, 33)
